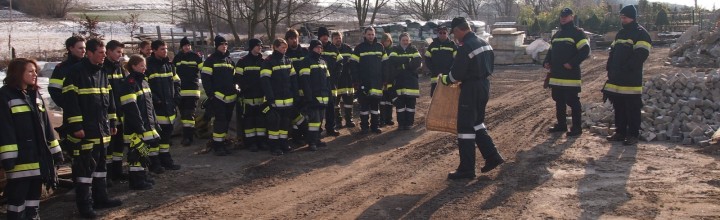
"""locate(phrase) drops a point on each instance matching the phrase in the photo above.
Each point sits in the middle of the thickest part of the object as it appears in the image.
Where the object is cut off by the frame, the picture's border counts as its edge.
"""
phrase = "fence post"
(194, 41)
(142, 30)
(172, 40)
(159, 36)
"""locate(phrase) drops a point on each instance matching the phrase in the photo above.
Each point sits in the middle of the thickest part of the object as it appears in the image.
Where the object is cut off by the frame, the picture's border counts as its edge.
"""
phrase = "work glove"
(444, 79)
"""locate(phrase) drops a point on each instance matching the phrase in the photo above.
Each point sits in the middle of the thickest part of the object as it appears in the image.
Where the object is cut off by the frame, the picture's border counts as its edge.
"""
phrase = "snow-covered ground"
(127, 4)
(32, 36)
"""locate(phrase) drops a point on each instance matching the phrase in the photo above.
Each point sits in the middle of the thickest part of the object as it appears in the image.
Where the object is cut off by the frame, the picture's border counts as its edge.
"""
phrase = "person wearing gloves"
(472, 66)
(296, 53)
(315, 84)
(569, 48)
(249, 105)
(218, 77)
(139, 122)
(628, 53)
(29, 151)
(278, 86)
(187, 64)
(367, 64)
(405, 60)
(89, 110)
(165, 86)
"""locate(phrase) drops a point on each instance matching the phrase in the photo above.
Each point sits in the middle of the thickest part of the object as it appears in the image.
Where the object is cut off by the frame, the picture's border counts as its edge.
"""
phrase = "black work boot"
(138, 181)
(461, 175)
(630, 141)
(156, 165)
(117, 171)
(219, 148)
(167, 162)
(574, 132)
(491, 163)
(616, 137)
(558, 128)
(84, 201)
(100, 195)
(32, 212)
(187, 136)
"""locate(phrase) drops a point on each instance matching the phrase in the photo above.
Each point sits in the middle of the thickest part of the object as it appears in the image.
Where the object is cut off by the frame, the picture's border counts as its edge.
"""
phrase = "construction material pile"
(696, 48)
(507, 44)
(682, 107)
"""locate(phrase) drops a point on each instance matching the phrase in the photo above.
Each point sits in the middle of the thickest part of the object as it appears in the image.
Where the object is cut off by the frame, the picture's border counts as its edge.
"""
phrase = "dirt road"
(402, 174)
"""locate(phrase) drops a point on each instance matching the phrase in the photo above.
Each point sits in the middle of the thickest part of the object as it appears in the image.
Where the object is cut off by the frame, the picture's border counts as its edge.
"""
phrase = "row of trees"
(541, 16)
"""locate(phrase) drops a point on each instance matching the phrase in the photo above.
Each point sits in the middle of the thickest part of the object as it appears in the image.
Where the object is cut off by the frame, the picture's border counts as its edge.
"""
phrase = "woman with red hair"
(27, 143)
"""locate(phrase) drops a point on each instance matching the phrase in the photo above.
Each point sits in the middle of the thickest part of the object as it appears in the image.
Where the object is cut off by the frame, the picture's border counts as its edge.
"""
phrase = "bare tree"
(472, 8)
(503, 7)
(363, 7)
(253, 12)
(273, 15)
(424, 9)
(132, 22)
(90, 27)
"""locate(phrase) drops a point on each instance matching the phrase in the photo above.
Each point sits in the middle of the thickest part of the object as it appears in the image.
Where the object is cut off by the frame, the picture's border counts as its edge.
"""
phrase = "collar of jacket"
(437, 39)
(139, 77)
(73, 59)
(220, 55)
(110, 63)
(30, 91)
(277, 55)
(568, 26)
(154, 59)
(469, 36)
(631, 25)
(92, 67)
(253, 57)
(314, 56)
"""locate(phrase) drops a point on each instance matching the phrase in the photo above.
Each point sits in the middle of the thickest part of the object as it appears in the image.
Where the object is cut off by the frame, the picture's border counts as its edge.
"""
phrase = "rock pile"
(683, 107)
(696, 48)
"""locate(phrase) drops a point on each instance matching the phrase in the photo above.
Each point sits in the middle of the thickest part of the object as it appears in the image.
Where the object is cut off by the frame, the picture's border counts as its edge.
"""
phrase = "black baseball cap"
(566, 12)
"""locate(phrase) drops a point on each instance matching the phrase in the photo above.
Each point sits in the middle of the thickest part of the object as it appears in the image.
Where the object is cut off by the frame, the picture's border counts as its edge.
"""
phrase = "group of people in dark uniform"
(111, 108)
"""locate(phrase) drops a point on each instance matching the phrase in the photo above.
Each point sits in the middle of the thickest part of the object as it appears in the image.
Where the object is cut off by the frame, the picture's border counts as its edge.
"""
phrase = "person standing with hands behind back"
(569, 48)
(28, 148)
(472, 66)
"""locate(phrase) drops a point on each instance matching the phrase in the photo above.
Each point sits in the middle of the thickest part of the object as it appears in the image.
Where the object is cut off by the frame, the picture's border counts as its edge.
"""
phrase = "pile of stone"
(683, 107)
(696, 48)
(507, 44)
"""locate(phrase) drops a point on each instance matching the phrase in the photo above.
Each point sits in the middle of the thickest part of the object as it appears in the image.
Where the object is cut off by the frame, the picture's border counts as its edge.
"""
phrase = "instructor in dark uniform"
(472, 66)
(569, 48)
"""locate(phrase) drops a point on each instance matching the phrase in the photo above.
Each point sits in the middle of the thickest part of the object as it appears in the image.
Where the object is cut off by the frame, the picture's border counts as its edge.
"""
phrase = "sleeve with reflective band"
(54, 146)
(642, 45)
(23, 170)
(56, 83)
